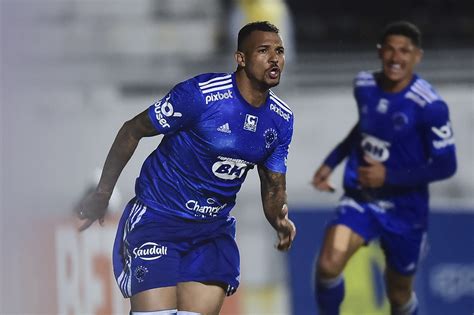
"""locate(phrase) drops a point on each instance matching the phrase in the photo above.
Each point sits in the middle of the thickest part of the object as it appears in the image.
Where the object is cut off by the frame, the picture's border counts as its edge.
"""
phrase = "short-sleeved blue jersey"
(404, 131)
(212, 138)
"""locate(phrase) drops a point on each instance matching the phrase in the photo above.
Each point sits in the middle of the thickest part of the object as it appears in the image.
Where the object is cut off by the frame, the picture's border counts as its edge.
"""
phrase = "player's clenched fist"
(286, 230)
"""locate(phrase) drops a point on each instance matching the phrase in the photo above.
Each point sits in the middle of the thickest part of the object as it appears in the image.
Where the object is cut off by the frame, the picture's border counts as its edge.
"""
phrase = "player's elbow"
(129, 130)
(453, 167)
(449, 167)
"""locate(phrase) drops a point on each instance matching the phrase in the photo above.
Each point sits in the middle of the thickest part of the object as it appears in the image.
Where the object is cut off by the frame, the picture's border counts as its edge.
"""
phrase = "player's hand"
(321, 179)
(372, 175)
(93, 207)
(286, 230)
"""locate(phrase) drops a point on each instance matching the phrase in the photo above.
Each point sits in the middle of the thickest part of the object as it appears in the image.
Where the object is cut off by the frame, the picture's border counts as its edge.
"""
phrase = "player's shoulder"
(364, 79)
(422, 93)
(214, 86)
(279, 107)
(213, 81)
(205, 82)
(204, 79)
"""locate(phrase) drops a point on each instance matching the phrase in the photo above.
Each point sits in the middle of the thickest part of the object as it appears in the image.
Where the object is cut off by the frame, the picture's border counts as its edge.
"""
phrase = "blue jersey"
(212, 138)
(410, 133)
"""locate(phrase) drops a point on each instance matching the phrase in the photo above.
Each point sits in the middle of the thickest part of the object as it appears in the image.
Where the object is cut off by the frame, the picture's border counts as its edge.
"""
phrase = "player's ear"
(379, 51)
(239, 58)
(419, 55)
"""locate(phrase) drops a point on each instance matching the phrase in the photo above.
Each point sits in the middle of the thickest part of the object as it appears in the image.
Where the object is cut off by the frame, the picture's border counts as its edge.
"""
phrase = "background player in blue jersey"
(175, 249)
(402, 141)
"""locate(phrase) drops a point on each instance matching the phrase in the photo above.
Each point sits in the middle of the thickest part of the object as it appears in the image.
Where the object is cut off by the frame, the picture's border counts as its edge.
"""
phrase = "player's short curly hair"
(404, 28)
(247, 29)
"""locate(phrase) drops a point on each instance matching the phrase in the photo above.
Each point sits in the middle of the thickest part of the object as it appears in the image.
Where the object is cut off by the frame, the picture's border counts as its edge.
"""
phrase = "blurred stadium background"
(72, 71)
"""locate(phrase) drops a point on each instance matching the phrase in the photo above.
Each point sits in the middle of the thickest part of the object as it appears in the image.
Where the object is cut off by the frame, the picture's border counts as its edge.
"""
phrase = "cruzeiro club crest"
(270, 136)
(140, 273)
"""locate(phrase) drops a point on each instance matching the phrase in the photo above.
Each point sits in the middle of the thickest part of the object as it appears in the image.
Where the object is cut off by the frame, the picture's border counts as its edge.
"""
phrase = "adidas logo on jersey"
(224, 128)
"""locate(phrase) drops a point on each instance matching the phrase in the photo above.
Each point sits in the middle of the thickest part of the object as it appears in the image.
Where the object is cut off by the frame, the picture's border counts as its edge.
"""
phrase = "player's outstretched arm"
(340, 152)
(273, 191)
(94, 206)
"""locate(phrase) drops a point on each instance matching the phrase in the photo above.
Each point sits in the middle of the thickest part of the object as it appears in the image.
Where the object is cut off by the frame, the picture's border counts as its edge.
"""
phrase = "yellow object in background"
(263, 10)
(364, 283)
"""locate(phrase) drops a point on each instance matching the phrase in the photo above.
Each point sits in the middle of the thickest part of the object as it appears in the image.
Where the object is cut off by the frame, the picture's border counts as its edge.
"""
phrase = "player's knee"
(399, 295)
(399, 288)
(329, 266)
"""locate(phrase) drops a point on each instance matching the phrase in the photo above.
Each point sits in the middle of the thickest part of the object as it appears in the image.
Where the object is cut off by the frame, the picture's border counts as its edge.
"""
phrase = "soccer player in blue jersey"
(402, 141)
(175, 250)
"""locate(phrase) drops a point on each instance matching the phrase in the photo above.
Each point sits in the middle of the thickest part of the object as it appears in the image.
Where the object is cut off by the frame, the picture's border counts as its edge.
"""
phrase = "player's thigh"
(353, 226)
(199, 297)
(340, 243)
(155, 300)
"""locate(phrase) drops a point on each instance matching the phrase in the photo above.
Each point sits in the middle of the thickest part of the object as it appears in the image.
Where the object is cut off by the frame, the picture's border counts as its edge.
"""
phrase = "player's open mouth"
(394, 67)
(274, 73)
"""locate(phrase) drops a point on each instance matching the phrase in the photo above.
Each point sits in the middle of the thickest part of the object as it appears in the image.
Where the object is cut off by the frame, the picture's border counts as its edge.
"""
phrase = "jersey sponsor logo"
(375, 148)
(210, 209)
(250, 123)
(382, 107)
(280, 112)
(445, 133)
(224, 128)
(270, 136)
(163, 110)
(229, 168)
(218, 96)
(150, 251)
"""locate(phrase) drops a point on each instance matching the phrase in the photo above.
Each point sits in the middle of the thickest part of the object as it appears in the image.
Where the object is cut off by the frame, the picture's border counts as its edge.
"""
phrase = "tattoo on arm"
(273, 192)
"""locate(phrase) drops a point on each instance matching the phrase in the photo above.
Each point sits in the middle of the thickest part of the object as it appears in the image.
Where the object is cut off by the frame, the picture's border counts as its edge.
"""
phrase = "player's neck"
(255, 95)
(391, 86)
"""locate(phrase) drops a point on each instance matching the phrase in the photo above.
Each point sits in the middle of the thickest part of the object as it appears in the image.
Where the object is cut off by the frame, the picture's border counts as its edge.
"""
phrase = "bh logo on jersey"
(250, 123)
(163, 110)
(375, 148)
(150, 251)
(229, 168)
